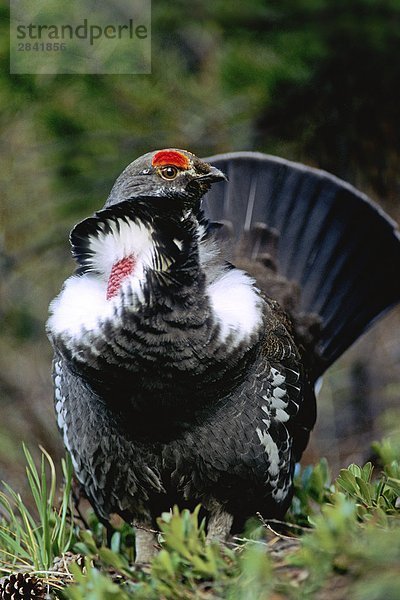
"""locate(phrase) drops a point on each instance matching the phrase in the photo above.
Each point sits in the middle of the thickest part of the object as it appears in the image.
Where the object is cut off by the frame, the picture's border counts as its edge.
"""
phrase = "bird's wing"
(101, 455)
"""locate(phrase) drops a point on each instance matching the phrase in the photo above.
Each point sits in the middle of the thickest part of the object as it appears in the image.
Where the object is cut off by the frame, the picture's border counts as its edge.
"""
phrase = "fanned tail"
(341, 250)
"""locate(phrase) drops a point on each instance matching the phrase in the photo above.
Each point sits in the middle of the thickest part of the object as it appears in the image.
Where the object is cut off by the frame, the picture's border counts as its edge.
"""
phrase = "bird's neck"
(177, 331)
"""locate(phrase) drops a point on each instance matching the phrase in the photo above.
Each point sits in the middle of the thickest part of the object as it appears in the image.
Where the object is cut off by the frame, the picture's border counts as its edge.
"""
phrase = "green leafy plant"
(186, 559)
(92, 584)
(324, 549)
(351, 536)
(373, 498)
(32, 540)
(115, 557)
(256, 578)
(376, 562)
(312, 488)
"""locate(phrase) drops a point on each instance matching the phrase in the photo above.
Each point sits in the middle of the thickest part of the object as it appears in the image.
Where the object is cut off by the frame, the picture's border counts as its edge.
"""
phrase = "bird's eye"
(169, 172)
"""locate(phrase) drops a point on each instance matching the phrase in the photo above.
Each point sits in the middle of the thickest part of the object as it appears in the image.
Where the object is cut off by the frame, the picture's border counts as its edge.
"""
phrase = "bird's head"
(169, 173)
(149, 223)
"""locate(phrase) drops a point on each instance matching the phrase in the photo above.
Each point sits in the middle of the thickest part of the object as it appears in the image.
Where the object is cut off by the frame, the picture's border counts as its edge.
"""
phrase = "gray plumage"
(180, 381)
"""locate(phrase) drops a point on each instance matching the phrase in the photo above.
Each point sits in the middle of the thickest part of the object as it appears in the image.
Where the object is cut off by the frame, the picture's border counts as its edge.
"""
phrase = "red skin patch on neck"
(121, 269)
(170, 157)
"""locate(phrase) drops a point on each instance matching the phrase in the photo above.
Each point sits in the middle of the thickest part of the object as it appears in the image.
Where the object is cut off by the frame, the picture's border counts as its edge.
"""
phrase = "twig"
(266, 523)
(143, 528)
(246, 540)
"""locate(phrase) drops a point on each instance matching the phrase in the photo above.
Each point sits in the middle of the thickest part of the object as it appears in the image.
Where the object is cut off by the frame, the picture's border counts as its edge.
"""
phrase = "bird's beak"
(213, 175)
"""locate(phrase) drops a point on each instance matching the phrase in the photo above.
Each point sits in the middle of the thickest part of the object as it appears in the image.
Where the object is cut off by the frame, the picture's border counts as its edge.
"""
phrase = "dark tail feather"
(339, 247)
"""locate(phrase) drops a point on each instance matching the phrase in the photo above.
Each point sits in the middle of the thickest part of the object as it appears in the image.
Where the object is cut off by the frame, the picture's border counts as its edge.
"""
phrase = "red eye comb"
(170, 157)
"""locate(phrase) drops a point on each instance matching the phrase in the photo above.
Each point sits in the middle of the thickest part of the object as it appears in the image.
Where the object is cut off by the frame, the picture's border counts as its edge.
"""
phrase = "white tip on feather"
(81, 303)
(271, 449)
(125, 239)
(236, 304)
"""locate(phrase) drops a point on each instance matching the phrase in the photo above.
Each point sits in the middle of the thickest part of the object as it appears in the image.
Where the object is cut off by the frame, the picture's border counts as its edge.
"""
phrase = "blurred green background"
(315, 81)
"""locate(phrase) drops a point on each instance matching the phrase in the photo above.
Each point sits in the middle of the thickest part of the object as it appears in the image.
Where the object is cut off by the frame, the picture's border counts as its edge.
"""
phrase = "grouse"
(208, 298)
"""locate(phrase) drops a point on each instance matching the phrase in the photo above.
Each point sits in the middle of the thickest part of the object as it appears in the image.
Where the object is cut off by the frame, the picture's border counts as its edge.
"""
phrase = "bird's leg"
(219, 522)
(145, 543)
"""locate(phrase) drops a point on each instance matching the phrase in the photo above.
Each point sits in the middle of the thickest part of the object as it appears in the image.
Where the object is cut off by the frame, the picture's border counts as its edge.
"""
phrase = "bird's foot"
(219, 523)
(145, 545)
